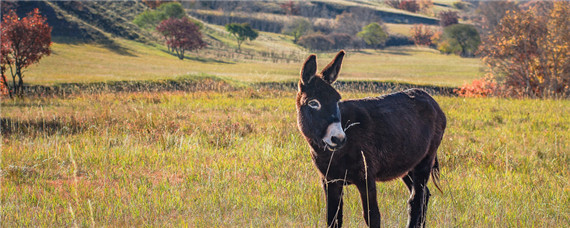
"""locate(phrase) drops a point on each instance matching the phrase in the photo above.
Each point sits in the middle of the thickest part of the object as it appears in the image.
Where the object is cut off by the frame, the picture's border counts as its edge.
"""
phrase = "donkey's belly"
(393, 164)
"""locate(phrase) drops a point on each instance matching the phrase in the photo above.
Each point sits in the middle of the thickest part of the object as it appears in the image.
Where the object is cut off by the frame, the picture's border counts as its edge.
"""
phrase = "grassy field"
(91, 62)
(236, 159)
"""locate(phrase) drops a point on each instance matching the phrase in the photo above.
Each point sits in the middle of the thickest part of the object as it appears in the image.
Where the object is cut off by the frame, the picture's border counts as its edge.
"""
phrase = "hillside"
(89, 21)
(96, 41)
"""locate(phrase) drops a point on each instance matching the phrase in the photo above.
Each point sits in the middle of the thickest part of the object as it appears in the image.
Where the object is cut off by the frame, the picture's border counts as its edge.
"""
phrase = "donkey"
(367, 140)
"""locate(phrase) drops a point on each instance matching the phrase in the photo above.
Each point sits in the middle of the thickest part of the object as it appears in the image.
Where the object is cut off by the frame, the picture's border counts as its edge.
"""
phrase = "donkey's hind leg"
(416, 181)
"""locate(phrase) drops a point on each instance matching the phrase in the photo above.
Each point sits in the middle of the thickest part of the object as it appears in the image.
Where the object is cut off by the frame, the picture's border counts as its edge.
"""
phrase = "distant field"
(135, 61)
(212, 159)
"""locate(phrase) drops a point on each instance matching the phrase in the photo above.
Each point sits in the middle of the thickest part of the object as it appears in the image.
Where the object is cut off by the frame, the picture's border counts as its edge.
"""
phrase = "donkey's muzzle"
(334, 137)
(339, 141)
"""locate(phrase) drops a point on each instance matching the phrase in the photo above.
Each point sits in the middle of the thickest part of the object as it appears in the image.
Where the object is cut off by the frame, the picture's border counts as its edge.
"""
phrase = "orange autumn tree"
(24, 42)
(528, 53)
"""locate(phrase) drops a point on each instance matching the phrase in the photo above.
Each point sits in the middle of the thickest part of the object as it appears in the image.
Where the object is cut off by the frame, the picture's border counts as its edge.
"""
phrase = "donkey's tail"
(435, 174)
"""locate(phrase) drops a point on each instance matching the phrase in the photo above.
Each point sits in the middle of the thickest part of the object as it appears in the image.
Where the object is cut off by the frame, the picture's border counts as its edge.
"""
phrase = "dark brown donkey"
(367, 140)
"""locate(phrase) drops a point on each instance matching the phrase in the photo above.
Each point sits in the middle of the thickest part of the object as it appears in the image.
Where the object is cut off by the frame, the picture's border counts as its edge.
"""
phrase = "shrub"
(421, 34)
(373, 35)
(461, 38)
(447, 18)
(409, 5)
(150, 18)
(460, 5)
(478, 88)
(316, 42)
(341, 40)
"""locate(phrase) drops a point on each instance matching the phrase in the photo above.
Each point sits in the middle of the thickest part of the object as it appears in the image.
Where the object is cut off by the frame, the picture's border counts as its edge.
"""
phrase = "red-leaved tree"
(24, 42)
(181, 35)
(421, 34)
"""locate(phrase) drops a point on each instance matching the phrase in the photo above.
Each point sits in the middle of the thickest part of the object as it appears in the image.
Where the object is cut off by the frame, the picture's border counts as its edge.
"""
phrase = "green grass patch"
(78, 63)
(237, 159)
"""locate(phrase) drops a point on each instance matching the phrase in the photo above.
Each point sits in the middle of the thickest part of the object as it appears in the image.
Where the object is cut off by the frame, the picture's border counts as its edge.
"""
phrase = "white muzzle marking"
(334, 130)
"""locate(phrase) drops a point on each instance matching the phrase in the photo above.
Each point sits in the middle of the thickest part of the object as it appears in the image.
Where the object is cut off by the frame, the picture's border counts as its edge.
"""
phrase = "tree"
(241, 33)
(491, 13)
(181, 35)
(297, 28)
(465, 36)
(421, 34)
(24, 42)
(529, 52)
(172, 10)
(447, 18)
(150, 18)
(373, 35)
(316, 42)
(348, 23)
(341, 40)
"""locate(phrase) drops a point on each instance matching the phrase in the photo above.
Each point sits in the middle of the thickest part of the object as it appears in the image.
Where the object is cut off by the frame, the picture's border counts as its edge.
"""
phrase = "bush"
(409, 5)
(478, 88)
(460, 5)
(421, 34)
(172, 10)
(460, 38)
(447, 18)
(341, 40)
(373, 35)
(150, 18)
(316, 42)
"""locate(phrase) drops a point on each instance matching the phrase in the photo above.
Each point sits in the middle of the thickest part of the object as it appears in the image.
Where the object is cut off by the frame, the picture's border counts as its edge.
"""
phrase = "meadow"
(235, 158)
(96, 63)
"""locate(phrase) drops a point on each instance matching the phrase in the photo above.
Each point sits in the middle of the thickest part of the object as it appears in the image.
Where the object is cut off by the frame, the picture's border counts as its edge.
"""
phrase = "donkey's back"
(396, 131)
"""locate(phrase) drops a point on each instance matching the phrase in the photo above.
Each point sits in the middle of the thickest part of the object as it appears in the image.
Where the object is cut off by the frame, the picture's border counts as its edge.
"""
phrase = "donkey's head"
(318, 115)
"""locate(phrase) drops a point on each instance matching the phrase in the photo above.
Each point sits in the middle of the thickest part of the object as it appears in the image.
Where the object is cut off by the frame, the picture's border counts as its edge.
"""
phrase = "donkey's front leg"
(333, 193)
(367, 189)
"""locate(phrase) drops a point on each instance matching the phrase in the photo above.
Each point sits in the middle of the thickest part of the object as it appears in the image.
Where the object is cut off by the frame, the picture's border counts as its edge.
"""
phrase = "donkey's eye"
(314, 104)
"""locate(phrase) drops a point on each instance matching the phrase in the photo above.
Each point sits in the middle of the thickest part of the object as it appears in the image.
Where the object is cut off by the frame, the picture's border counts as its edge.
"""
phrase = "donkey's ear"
(330, 72)
(309, 69)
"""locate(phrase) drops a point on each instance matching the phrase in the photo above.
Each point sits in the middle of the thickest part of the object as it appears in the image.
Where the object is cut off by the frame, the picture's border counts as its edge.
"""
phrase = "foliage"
(181, 35)
(478, 88)
(24, 42)
(529, 52)
(460, 5)
(241, 32)
(373, 35)
(341, 40)
(490, 13)
(421, 34)
(410, 5)
(316, 42)
(461, 39)
(172, 10)
(297, 28)
(150, 18)
(348, 23)
(447, 18)
(290, 8)
(153, 4)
